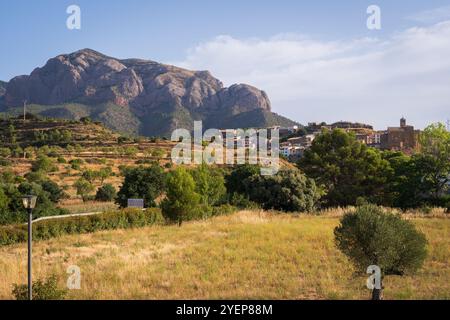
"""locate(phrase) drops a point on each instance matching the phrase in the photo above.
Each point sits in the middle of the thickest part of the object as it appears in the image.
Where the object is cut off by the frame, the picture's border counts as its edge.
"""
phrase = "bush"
(35, 176)
(55, 193)
(76, 163)
(84, 188)
(61, 160)
(15, 212)
(238, 175)
(42, 290)
(106, 193)
(47, 229)
(370, 236)
(5, 152)
(223, 210)
(242, 201)
(5, 162)
(142, 183)
(44, 164)
(288, 190)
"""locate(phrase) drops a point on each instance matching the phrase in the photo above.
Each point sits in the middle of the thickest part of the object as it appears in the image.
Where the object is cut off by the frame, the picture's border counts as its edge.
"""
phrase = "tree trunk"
(377, 294)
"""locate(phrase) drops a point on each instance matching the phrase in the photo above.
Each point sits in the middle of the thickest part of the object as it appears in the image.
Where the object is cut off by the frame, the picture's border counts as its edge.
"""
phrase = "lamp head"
(29, 201)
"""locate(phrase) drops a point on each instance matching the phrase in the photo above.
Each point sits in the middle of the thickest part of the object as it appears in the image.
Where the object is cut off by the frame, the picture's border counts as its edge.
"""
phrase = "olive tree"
(371, 236)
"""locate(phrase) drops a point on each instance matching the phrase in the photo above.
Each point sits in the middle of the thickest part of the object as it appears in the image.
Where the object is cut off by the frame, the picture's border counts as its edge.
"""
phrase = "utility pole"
(448, 125)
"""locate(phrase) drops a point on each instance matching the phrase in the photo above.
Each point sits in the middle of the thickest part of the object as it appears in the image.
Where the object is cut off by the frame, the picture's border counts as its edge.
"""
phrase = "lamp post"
(29, 202)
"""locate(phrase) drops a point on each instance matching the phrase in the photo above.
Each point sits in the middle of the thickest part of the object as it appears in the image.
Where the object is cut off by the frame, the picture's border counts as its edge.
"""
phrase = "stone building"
(403, 138)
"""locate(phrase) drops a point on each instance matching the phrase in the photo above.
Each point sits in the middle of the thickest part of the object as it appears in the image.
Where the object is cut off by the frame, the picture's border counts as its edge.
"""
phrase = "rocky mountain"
(137, 96)
(2, 88)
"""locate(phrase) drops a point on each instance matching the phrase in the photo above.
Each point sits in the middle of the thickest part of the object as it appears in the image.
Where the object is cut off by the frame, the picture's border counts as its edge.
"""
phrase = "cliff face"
(2, 88)
(157, 96)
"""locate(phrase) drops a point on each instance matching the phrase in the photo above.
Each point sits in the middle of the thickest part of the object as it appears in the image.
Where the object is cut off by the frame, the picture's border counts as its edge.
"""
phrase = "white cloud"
(431, 16)
(371, 80)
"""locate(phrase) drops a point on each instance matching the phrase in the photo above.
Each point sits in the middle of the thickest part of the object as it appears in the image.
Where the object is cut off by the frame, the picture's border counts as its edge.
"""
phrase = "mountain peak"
(150, 93)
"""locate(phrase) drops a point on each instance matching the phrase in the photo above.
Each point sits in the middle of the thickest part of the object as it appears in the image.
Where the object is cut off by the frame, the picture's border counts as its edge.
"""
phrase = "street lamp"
(29, 202)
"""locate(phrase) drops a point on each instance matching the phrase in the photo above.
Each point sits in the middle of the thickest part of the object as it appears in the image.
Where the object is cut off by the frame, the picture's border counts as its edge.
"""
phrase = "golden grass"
(248, 255)
(78, 206)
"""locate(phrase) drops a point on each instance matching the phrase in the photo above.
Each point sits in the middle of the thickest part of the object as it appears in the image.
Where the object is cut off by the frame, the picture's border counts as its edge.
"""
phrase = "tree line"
(348, 170)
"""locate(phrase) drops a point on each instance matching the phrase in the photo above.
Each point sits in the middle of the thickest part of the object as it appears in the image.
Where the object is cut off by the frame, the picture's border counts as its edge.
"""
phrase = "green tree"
(233, 181)
(146, 183)
(84, 188)
(106, 193)
(158, 153)
(371, 236)
(181, 199)
(90, 175)
(5, 152)
(11, 134)
(43, 164)
(29, 152)
(404, 184)
(434, 159)
(104, 173)
(346, 168)
(288, 190)
(55, 193)
(17, 152)
(210, 184)
(45, 205)
(4, 201)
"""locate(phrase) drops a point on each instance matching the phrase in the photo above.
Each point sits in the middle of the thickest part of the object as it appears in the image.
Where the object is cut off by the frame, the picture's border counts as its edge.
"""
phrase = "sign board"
(136, 203)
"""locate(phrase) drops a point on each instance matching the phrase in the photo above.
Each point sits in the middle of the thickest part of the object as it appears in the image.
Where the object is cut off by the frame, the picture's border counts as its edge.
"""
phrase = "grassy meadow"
(248, 255)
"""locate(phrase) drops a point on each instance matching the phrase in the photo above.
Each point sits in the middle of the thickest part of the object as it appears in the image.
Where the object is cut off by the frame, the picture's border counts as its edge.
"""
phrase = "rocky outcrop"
(2, 88)
(141, 86)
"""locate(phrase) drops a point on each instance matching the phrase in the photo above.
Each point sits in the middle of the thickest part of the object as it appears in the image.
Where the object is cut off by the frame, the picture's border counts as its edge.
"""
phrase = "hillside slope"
(39, 132)
(138, 96)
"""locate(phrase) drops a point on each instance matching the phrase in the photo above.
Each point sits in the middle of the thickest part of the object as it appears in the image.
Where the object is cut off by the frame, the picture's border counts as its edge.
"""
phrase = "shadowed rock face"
(89, 77)
(155, 97)
(2, 88)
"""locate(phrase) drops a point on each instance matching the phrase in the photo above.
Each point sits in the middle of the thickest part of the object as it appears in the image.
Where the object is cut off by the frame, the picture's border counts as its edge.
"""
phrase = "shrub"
(288, 190)
(55, 193)
(35, 176)
(76, 163)
(61, 160)
(242, 201)
(5, 152)
(84, 188)
(370, 236)
(222, 210)
(143, 183)
(238, 175)
(106, 193)
(44, 164)
(47, 229)
(168, 165)
(42, 290)
(5, 162)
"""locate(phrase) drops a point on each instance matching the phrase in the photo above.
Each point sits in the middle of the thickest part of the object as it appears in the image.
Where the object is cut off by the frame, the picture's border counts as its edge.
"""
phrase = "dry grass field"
(248, 255)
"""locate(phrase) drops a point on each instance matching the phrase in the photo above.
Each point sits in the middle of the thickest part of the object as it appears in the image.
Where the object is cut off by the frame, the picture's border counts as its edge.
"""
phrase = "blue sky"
(189, 33)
